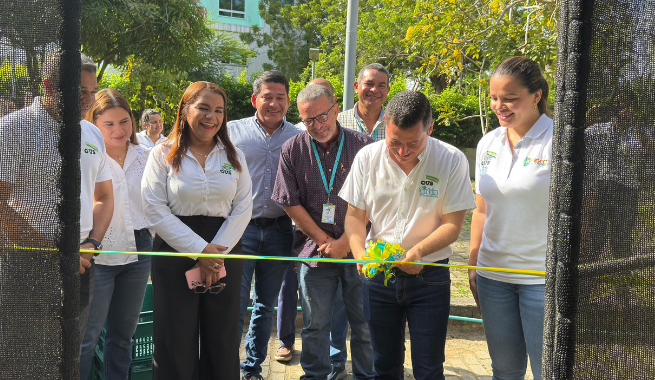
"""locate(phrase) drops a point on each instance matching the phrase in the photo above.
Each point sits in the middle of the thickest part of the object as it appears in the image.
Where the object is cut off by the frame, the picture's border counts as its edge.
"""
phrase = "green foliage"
(450, 110)
(239, 92)
(163, 34)
(164, 92)
(14, 81)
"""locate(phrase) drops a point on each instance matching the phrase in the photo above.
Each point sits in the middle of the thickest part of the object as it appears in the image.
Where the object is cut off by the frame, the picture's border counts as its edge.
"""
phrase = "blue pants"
(318, 293)
(287, 312)
(513, 318)
(422, 301)
(274, 240)
(118, 296)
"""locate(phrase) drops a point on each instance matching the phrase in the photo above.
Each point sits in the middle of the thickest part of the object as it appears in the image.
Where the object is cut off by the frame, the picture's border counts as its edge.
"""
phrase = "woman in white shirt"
(510, 224)
(120, 280)
(153, 126)
(198, 199)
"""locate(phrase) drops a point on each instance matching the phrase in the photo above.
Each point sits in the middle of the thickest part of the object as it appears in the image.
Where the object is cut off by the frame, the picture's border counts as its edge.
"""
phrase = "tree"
(164, 34)
(30, 26)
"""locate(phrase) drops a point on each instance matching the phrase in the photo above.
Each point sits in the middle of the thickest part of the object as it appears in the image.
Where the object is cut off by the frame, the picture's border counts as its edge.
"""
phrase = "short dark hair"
(408, 108)
(270, 76)
(528, 73)
(372, 66)
(147, 113)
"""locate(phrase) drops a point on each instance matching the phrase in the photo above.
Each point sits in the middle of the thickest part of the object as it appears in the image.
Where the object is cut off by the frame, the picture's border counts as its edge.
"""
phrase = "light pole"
(313, 56)
(351, 54)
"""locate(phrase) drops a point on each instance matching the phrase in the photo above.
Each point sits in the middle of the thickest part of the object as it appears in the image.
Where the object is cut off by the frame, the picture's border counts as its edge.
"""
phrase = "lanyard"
(365, 130)
(334, 169)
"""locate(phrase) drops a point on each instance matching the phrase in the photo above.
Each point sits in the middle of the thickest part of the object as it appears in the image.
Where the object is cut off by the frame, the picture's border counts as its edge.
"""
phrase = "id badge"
(328, 213)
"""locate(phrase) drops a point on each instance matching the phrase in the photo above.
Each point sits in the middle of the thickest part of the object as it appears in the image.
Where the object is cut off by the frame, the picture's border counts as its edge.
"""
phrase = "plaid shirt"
(299, 182)
(351, 120)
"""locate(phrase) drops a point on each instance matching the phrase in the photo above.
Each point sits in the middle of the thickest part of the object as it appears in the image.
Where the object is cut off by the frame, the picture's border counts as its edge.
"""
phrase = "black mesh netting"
(600, 306)
(39, 188)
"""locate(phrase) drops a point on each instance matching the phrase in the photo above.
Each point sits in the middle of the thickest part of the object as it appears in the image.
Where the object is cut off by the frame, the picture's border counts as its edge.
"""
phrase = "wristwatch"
(95, 243)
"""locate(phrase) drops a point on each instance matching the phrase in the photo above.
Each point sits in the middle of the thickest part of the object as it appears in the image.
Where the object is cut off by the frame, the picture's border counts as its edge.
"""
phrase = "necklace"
(204, 155)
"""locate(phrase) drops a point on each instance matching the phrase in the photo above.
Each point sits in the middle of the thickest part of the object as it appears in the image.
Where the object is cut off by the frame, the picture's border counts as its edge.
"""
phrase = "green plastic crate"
(141, 367)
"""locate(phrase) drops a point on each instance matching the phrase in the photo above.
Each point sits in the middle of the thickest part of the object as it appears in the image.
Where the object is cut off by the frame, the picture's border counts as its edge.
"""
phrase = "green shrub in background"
(238, 91)
(450, 110)
(15, 83)
(164, 91)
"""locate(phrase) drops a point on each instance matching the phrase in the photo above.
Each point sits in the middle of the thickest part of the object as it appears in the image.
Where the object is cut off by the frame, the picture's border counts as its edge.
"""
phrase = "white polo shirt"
(143, 139)
(93, 168)
(516, 191)
(405, 209)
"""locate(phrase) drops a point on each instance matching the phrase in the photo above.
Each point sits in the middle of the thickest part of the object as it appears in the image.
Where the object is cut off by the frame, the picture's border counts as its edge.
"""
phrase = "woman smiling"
(120, 280)
(198, 198)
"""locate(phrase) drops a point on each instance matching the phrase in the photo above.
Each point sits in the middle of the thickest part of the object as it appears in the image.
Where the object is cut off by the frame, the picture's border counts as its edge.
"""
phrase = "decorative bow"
(381, 251)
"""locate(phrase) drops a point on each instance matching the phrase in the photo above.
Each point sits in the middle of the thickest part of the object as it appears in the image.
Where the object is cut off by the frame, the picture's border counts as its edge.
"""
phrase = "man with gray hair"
(415, 191)
(313, 166)
(367, 116)
(260, 138)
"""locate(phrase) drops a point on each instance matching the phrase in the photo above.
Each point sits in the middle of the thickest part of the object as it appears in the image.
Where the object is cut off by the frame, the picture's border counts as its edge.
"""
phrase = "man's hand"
(411, 256)
(334, 249)
(359, 268)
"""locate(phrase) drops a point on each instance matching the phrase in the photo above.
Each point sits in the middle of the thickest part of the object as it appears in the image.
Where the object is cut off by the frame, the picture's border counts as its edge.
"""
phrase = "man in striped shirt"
(367, 116)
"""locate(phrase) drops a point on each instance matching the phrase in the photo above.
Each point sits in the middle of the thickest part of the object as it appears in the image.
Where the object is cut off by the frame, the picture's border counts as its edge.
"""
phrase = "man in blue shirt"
(270, 231)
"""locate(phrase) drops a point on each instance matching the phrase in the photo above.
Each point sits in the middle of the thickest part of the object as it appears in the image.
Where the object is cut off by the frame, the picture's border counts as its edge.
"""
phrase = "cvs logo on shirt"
(90, 148)
(227, 169)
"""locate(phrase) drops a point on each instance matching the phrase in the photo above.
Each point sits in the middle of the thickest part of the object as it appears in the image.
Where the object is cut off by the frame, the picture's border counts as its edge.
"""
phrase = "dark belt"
(267, 222)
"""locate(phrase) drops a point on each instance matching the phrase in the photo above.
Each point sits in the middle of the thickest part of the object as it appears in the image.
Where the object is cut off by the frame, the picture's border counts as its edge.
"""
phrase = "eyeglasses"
(200, 287)
(322, 118)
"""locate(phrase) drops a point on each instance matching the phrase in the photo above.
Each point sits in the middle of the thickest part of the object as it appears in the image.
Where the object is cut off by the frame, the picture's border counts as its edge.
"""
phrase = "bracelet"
(326, 239)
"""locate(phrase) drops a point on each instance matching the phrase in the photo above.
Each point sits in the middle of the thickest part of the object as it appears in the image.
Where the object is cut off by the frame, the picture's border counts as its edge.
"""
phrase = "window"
(232, 8)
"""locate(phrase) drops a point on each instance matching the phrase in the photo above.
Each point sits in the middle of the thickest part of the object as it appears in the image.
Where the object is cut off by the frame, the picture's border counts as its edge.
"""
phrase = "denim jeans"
(339, 331)
(513, 319)
(318, 292)
(274, 240)
(117, 301)
(287, 307)
(423, 301)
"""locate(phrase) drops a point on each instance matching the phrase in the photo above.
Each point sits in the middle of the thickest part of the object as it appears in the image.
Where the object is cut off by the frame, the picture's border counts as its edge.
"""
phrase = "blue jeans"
(287, 307)
(117, 301)
(513, 318)
(318, 292)
(423, 301)
(274, 240)
(339, 331)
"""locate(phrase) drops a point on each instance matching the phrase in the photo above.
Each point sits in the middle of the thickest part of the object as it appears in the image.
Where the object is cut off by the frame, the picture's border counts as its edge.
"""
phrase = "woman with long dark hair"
(510, 224)
(198, 199)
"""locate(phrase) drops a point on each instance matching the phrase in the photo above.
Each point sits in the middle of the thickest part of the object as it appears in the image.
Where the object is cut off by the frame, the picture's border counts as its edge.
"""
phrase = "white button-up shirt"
(218, 190)
(515, 188)
(405, 209)
(128, 207)
(143, 139)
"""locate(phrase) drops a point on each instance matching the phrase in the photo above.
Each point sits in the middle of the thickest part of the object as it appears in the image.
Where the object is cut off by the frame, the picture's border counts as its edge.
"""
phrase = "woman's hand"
(210, 267)
(411, 256)
(473, 284)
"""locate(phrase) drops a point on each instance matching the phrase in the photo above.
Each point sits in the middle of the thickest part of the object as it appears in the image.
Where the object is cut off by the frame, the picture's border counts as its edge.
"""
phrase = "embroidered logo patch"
(486, 160)
(536, 161)
(227, 169)
(90, 148)
(430, 181)
(425, 191)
